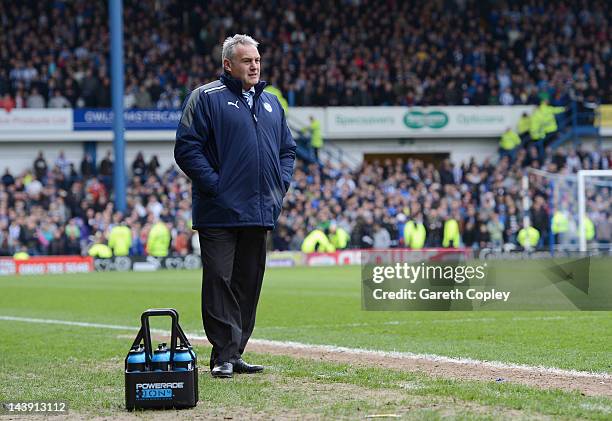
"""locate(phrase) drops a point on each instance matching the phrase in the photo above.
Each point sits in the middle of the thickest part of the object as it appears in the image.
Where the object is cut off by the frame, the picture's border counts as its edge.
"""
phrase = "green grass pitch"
(308, 305)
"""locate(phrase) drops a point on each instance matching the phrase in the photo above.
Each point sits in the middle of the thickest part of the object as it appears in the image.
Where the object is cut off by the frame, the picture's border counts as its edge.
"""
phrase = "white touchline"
(419, 322)
(71, 323)
(341, 349)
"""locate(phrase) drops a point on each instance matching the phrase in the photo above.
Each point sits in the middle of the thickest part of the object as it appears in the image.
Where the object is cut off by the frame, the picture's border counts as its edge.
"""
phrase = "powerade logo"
(156, 390)
(420, 119)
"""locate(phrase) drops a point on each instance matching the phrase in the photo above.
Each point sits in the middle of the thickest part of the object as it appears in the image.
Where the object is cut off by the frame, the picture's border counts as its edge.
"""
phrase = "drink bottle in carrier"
(136, 359)
(161, 358)
(161, 378)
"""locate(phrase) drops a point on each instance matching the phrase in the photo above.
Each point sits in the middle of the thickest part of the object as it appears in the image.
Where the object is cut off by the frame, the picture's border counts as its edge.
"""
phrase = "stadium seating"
(323, 54)
(318, 52)
(61, 210)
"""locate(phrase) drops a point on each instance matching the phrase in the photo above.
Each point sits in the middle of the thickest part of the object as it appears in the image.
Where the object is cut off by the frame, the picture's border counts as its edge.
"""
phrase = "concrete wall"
(460, 149)
(19, 156)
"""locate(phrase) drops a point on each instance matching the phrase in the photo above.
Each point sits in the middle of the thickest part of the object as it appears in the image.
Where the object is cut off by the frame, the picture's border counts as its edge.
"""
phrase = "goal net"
(580, 209)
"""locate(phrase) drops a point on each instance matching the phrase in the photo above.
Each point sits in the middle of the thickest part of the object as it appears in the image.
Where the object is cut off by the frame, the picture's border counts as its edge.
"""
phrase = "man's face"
(245, 65)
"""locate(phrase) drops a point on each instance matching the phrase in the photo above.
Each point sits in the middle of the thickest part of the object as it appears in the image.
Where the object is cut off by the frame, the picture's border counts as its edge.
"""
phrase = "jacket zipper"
(261, 212)
(259, 178)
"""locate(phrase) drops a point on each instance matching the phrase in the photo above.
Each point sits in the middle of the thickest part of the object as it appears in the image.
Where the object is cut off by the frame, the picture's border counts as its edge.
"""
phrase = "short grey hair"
(229, 45)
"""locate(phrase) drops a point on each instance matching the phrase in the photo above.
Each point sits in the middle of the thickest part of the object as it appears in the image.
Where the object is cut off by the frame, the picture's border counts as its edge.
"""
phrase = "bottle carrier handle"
(144, 334)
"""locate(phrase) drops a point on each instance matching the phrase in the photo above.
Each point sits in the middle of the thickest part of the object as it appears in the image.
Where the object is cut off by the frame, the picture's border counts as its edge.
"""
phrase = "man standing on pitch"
(234, 144)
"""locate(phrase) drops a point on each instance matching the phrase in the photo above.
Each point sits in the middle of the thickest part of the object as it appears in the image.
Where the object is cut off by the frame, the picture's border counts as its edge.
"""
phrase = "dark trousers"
(233, 261)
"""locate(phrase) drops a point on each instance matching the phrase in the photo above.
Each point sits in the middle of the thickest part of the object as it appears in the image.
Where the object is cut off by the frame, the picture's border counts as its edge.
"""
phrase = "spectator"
(540, 219)
(58, 100)
(106, 170)
(495, 229)
(280, 239)
(604, 228)
(73, 238)
(58, 245)
(139, 167)
(143, 98)
(28, 237)
(7, 102)
(35, 99)
(382, 238)
(62, 163)
(181, 239)
(40, 167)
(90, 86)
(88, 167)
(153, 166)
(7, 178)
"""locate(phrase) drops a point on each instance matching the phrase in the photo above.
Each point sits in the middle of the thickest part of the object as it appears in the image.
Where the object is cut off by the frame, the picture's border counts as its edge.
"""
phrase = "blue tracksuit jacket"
(240, 160)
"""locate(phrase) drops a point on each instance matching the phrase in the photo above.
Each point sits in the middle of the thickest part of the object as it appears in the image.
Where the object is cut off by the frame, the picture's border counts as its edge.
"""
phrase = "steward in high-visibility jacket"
(338, 237)
(317, 241)
(589, 229)
(560, 223)
(120, 240)
(536, 126)
(414, 235)
(158, 242)
(316, 139)
(509, 140)
(21, 255)
(451, 234)
(528, 237)
(549, 122)
(101, 251)
(524, 124)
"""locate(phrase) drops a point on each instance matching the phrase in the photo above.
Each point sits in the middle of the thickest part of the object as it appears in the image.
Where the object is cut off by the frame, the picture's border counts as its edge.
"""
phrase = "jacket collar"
(235, 85)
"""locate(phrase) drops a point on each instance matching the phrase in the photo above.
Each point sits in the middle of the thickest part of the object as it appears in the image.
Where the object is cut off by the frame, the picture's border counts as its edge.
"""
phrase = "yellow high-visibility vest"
(451, 234)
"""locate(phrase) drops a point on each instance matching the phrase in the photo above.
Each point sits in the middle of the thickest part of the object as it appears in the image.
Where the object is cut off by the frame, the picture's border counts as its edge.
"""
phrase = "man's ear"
(227, 65)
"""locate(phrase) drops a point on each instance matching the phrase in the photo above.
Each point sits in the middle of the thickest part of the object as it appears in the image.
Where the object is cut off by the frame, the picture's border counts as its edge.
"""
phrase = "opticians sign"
(402, 122)
(420, 119)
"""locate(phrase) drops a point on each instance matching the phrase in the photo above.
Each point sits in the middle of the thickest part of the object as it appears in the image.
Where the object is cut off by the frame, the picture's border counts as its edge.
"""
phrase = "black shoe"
(223, 370)
(213, 357)
(242, 367)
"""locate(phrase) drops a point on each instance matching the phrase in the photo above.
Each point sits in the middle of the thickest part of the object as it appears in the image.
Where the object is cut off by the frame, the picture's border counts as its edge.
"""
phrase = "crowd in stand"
(351, 52)
(58, 209)
(63, 207)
